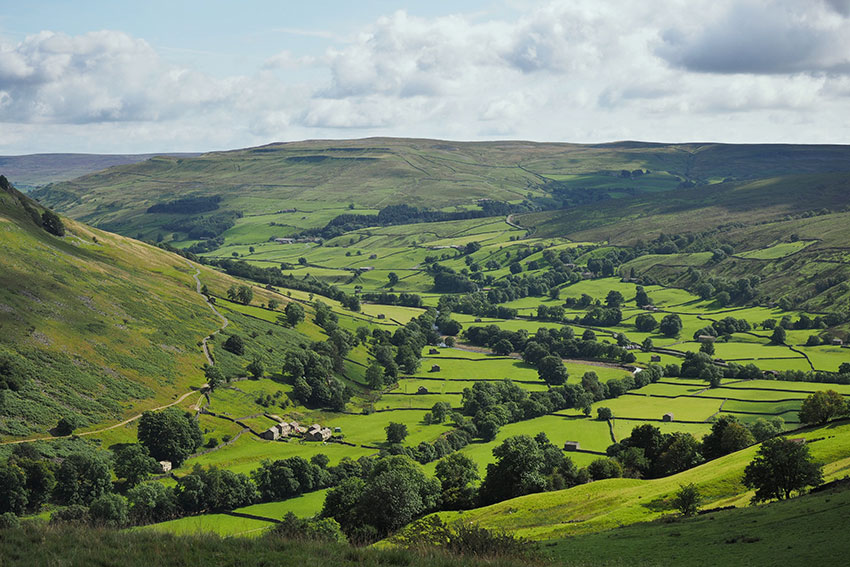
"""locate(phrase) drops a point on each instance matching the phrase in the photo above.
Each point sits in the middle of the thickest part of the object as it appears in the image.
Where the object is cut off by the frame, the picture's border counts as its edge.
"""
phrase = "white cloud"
(578, 70)
(765, 37)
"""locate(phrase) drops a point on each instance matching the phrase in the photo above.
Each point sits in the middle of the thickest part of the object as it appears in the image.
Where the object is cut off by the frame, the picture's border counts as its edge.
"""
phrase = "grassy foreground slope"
(807, 530)
(612, 503)
(92, 325)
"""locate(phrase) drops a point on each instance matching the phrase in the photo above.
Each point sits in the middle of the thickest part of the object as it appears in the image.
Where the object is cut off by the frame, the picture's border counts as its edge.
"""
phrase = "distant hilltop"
(35, 170)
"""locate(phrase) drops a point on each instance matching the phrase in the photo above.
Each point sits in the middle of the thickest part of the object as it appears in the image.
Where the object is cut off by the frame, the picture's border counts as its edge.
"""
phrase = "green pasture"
(827, 358)
(219, 524)
(246, 453)
(410, 401)
(370, 429)
(623, 428)
(651, 408)
(303, 506)
(780, 250)
(779, 385)
(591, 434)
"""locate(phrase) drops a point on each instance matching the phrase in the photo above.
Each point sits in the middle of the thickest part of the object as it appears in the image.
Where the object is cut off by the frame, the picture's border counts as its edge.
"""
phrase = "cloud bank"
(762, 70)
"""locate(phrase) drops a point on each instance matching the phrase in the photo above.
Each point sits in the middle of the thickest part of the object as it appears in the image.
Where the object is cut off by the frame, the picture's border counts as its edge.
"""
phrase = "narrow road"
(225, 322)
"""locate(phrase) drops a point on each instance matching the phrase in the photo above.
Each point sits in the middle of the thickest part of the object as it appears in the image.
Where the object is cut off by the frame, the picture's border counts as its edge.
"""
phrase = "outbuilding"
(271, 434)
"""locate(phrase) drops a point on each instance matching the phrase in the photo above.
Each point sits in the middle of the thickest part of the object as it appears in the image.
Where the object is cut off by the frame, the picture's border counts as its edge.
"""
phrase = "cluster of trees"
(446, 444)
(51, 222)
(187, 205)
(477, 303)
(491, 405)
(311, 372)
(243, 294)
(405, 299)
(401, 350)
(405, 214)
(447, 280)
(274, 276)
(561, 343)
(724, 328)
(204, 226)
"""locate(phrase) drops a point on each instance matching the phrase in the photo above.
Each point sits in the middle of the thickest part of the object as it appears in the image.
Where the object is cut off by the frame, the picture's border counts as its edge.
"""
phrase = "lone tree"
(52, 223)
(670, 325)
(294, 313)
(551, 370)
(396, 432)
(170, 434)
(778, 336)
(822, 406)
(687, 500)
(780, 467)
(234, 344)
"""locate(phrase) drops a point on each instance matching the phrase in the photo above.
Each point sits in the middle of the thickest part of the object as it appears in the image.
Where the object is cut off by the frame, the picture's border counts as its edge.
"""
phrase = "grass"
(37, 545)
(780, 250)
(602, 505)
(773, 534)
(304, 506)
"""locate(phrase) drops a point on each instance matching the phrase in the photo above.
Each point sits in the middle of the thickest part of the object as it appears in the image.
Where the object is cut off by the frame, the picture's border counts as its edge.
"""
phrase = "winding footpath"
(210, 361)
(224, 319)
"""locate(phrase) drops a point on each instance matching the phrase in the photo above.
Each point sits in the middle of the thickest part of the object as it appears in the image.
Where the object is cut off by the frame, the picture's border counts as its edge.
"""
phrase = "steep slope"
(92, 324)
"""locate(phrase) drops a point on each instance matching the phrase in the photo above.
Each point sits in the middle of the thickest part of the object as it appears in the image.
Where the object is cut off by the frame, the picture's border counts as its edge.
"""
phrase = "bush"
(234, 344)
(75, 514)
(8, 520)
(316, 529)
(687, 500)
(67, 425)
(110, 510)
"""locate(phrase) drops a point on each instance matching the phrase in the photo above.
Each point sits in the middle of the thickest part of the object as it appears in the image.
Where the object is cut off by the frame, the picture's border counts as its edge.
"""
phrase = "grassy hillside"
(607, 504)
(806, 529)
(322, 178)
(92, 325)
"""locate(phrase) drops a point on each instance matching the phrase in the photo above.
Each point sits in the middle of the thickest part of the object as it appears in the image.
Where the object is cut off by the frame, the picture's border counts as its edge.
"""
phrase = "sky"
(154, 76)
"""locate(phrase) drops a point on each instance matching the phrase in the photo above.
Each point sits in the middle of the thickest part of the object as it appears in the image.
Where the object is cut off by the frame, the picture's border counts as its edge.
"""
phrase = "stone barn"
(271, 434)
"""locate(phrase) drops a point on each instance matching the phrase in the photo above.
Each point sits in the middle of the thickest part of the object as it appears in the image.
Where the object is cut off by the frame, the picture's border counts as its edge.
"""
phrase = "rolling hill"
(369, 174)
(35, 170)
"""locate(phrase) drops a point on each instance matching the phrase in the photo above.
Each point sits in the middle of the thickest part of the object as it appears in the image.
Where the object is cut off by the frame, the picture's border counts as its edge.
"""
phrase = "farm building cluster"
(292, 429)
